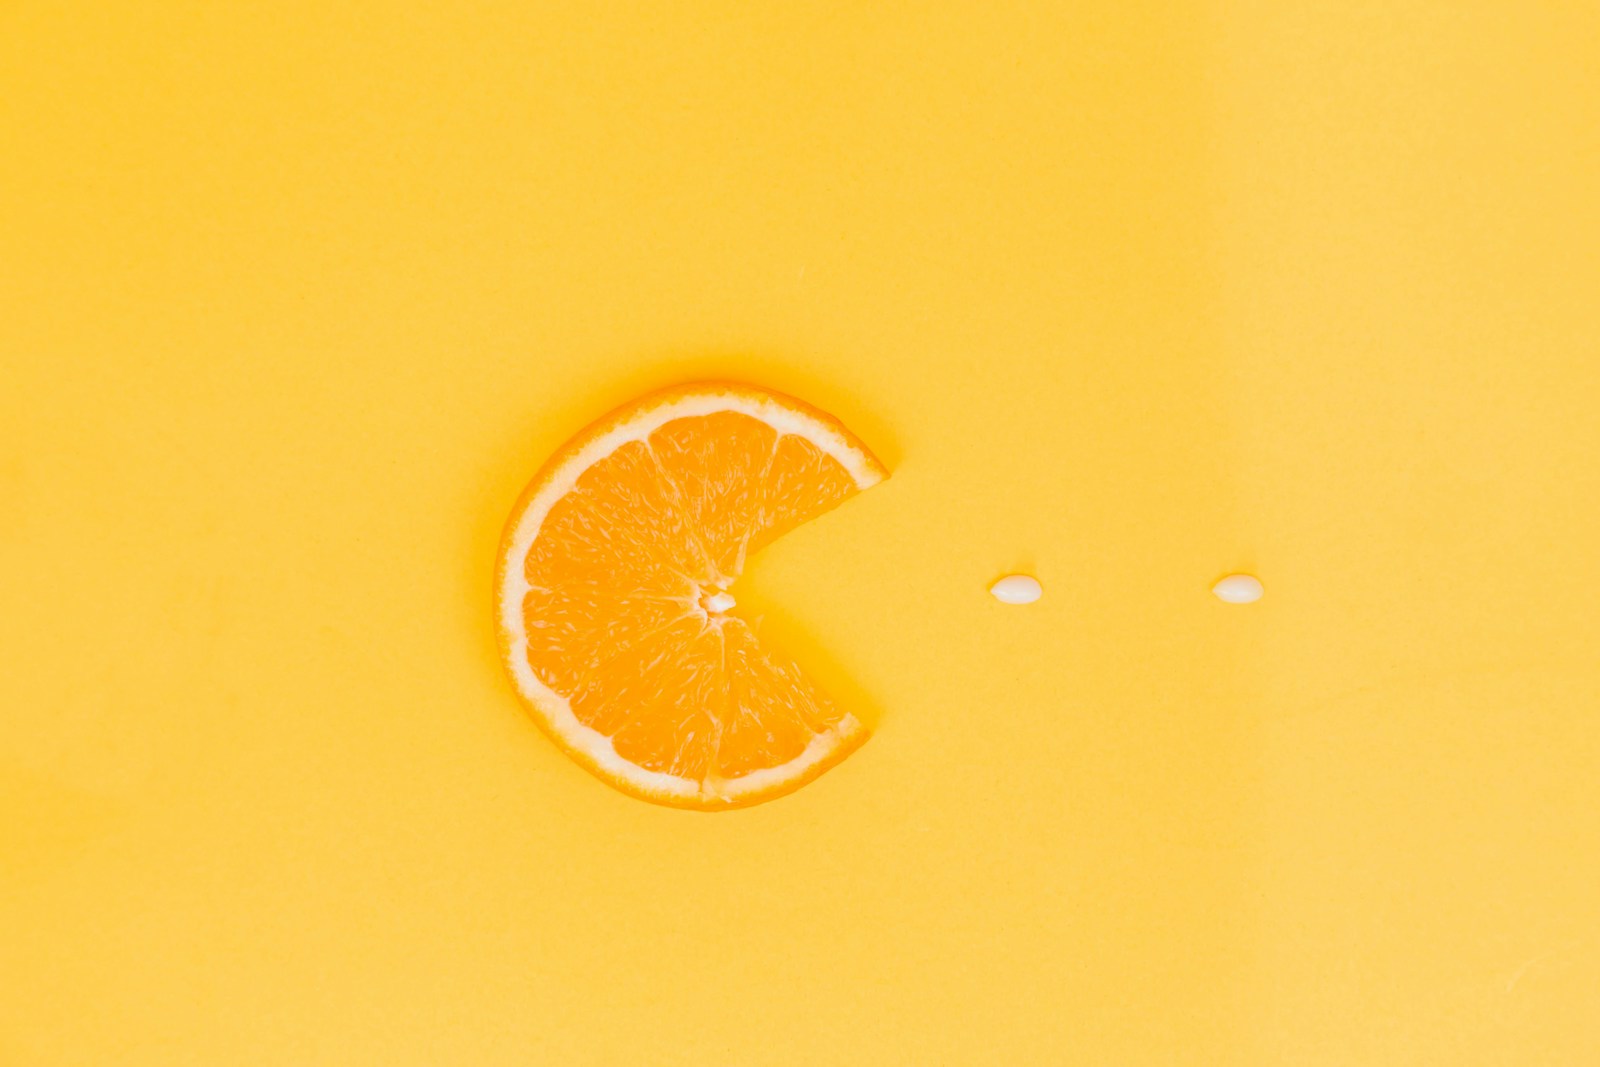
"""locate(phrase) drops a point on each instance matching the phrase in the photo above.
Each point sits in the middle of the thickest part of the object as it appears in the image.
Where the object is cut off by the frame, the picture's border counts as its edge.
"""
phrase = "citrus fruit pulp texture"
(614, 594)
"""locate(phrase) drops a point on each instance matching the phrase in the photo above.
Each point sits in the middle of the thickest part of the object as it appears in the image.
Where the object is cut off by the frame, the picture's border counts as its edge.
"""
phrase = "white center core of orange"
(717, 602)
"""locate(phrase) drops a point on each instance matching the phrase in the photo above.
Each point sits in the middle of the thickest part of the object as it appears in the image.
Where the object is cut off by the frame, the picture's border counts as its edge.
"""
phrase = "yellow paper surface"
(297, 296)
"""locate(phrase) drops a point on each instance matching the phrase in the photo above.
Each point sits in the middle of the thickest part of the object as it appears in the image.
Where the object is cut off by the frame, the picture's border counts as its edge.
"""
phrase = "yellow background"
(298, 295)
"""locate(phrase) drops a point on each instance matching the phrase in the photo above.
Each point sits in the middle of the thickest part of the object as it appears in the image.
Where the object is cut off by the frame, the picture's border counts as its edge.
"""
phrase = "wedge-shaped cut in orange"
(615, 594)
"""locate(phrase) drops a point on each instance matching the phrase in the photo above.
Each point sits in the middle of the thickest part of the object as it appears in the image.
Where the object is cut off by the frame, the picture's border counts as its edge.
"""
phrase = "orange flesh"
(621, 568)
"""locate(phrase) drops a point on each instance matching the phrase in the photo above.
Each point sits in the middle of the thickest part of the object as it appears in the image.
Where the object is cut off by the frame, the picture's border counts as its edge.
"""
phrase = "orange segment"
(774, 710)
(803, 482)
(594, 531)
(615, 594)
(718, 464)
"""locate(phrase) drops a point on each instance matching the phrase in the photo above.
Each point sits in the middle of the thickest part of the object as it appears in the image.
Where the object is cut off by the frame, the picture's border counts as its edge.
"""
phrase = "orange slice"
(616, 602)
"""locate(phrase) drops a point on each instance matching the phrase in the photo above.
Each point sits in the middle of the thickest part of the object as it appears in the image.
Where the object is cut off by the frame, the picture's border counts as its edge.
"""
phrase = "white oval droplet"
(1239, 589)
(1017, 589)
